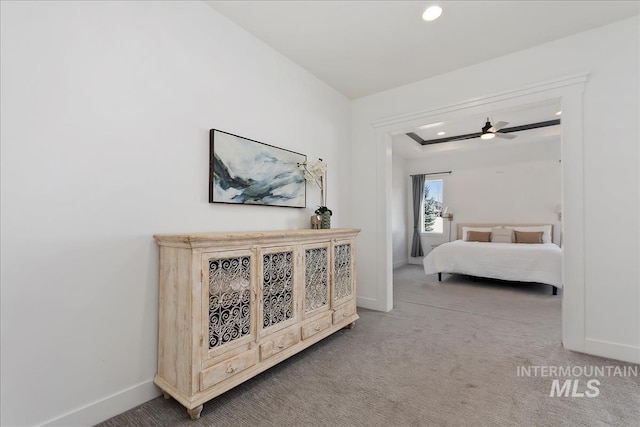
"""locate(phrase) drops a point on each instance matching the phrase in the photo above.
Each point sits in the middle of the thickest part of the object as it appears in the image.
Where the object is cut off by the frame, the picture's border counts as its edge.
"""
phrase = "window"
(432, 207)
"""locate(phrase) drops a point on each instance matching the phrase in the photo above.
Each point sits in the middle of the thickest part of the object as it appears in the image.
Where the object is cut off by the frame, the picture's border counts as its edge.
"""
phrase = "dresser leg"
(351, 325)
(195, 412)
(166, 395)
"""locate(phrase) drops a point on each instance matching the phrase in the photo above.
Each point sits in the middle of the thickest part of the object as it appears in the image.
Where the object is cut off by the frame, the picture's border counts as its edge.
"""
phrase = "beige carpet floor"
(447, 355)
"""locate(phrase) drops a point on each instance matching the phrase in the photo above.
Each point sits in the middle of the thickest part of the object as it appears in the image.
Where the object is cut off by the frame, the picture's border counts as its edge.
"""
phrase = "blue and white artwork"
(249, 172)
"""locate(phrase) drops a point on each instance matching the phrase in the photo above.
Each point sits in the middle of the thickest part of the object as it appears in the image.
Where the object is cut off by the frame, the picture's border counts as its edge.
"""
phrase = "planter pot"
(325, 221)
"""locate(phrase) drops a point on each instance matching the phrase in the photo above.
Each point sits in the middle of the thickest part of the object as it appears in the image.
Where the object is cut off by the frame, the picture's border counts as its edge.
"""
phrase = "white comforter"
(540, 263)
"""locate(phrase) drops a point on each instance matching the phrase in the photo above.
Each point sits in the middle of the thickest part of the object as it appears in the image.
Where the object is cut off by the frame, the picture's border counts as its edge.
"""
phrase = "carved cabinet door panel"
(228, 301)
(343, 270)
(316, 271)
(277, 305)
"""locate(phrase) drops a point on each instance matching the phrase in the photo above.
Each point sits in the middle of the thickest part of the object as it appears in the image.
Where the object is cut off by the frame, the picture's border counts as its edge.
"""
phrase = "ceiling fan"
(490, 131)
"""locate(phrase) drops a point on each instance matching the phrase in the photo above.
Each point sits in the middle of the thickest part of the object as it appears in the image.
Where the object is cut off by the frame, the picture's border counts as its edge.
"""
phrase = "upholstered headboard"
(490, 225)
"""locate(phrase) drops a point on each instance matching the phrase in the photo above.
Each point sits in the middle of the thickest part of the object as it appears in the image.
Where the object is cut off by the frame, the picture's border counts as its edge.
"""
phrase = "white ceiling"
(364, 47)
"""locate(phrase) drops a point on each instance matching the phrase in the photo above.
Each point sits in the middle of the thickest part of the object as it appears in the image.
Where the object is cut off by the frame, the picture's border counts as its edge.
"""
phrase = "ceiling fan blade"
(505, 135)
(498, 126)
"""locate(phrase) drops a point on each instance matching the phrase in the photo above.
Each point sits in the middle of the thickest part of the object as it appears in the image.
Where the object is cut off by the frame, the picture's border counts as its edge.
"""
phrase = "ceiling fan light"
(432, 13)
(487, 135)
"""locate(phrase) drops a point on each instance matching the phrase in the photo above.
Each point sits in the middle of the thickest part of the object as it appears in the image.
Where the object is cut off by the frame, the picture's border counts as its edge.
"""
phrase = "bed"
(499, 258)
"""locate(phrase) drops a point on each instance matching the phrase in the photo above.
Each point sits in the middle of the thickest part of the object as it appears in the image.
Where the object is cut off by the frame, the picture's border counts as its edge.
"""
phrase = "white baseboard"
(612, 350)
(400, 263)
(370, 303)
(108, 407)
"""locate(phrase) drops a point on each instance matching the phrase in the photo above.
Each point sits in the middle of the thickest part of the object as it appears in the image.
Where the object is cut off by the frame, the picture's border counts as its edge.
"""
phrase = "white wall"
(400, 226)
(106, 108)
(498, 183)
(611, 161)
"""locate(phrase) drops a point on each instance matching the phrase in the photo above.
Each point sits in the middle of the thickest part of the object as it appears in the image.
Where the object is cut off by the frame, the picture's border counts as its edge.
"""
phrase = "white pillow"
(467, 229)
(546, 231)
(502, 235)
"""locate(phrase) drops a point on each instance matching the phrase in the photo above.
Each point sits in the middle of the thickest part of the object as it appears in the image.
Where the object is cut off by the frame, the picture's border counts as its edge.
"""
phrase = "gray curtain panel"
(418, 196)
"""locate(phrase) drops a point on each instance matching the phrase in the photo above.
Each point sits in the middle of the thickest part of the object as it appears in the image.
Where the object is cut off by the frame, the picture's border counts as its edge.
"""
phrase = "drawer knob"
(345, 314)
(281, 344)
(317, 328)
(230, 369)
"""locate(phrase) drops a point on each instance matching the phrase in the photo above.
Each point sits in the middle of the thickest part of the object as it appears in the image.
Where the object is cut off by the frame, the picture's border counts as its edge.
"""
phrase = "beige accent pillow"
(502, 235)
(528, 236)
(465, 230)
(478, 236)
(546, 230)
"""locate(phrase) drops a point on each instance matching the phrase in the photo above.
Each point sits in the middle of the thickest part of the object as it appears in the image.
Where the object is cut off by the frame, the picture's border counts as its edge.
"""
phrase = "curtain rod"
(432, 173)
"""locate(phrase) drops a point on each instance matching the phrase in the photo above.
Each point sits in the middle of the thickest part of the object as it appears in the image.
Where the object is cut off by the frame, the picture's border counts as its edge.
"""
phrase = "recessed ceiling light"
(441, 133)
(432, 13)
(430, 125)
(558, 113)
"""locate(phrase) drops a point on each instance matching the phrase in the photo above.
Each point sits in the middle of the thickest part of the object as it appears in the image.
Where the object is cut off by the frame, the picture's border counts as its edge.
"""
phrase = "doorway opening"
(568, 92)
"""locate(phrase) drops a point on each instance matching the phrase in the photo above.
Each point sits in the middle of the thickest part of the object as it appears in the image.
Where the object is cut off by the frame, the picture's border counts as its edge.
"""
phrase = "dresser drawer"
(312, 328)
(279, 343)
(227, 369)
(344, 312)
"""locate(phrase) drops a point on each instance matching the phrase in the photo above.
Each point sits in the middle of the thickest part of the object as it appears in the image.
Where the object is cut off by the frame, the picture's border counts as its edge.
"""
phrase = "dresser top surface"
(204, 238)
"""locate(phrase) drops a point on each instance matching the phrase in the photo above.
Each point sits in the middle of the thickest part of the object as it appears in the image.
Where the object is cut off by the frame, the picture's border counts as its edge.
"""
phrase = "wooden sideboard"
(232, 305)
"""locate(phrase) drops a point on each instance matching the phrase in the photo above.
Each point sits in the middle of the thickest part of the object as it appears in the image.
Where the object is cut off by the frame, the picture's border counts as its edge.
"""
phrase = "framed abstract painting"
(244, 171)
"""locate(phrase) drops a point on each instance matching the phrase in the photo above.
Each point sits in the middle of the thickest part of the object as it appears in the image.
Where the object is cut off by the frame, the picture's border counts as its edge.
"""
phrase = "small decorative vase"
(316, 221)
(325, 222)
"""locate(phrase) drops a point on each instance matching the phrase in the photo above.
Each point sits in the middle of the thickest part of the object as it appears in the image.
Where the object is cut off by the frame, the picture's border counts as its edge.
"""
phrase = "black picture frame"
(249, 172)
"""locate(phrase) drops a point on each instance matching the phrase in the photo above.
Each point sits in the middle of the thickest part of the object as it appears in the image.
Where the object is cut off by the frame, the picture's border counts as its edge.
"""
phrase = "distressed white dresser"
(234, 304)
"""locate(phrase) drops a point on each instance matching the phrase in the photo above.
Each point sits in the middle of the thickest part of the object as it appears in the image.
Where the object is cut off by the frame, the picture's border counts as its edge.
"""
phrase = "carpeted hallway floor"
(447, 355)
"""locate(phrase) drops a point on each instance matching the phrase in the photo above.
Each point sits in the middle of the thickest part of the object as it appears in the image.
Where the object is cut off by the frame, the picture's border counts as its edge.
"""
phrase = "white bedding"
(540, 263)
